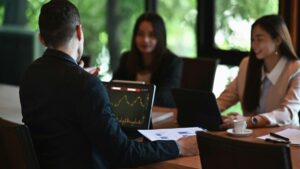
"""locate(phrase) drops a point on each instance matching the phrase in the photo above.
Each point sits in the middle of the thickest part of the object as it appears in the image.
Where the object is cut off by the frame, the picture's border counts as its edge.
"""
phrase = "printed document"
(169, 134)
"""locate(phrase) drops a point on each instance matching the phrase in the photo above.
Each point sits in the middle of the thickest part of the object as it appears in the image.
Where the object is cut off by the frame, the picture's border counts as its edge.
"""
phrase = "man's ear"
(41, 39)
(79, 33)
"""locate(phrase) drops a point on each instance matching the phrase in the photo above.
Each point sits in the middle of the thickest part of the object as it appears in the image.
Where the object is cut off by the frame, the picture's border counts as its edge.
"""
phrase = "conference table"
(193, 162)
(10, 109)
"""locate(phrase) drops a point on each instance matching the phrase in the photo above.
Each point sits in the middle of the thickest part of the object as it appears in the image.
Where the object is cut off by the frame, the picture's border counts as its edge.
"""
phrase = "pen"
(279, 136)
(277, 141)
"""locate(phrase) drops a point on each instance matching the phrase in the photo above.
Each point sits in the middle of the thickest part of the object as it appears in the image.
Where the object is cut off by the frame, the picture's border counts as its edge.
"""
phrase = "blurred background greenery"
(108, 26)
(116, 18)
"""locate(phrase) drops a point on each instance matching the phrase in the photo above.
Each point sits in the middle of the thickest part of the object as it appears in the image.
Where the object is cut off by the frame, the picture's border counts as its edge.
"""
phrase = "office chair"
(16, 147)
(220, 152)
(199, 73)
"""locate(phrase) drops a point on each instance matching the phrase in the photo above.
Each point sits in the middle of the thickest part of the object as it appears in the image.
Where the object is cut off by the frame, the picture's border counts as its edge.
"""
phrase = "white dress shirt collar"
(277, 70)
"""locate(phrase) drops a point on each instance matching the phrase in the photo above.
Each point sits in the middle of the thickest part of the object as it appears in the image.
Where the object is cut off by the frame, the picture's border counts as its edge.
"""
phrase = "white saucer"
(246, 132)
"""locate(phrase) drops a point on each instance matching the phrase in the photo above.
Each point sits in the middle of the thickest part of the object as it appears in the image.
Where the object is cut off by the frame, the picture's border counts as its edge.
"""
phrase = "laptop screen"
(132, 104)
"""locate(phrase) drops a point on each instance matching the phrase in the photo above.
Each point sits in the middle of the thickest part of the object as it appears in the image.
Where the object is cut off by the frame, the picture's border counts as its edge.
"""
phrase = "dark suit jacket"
(166, 77)
(69, 116)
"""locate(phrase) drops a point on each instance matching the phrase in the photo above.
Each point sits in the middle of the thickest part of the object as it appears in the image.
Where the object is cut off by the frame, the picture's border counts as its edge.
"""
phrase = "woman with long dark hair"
(150, 61)
(268, 82)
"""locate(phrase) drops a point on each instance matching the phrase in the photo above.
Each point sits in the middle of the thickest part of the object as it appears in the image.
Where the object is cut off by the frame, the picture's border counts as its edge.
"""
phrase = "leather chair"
(226, 153)
(16, 147)
(199, 74)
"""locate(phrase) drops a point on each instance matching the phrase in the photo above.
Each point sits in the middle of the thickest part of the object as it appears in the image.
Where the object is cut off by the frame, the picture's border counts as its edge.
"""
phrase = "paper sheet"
(169, 134)
(292, 134)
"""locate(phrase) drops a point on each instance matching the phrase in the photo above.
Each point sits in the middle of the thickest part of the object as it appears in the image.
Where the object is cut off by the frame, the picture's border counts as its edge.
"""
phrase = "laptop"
(197, 108)
(132, 104)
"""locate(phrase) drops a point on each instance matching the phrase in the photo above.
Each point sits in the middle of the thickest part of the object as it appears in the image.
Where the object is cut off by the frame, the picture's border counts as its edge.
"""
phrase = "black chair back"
(226, 153)
(199, 74)
(16, 148)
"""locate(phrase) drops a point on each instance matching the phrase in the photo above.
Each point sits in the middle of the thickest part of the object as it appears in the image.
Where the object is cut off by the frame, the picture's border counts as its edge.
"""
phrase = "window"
(128, 13)
(92, 17)
(180, 19)
(1, 14)
(233, 19)
(121, 17)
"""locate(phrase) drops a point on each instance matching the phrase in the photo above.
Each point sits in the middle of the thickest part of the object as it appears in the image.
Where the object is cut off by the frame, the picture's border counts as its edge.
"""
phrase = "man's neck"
(72, 53)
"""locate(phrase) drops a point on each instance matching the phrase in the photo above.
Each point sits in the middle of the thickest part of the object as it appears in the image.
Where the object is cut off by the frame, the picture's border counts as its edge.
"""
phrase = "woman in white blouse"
(268, 82)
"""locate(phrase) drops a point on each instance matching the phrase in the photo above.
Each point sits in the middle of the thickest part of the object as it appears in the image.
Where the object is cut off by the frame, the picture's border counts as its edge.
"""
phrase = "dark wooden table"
(194, 161)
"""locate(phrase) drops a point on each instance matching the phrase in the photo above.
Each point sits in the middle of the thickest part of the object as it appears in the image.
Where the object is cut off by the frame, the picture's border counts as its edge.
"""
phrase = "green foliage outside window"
(180, 18)
(127, 13)
(1, 14)
(237, 108)
(92, 17)
(234, 18)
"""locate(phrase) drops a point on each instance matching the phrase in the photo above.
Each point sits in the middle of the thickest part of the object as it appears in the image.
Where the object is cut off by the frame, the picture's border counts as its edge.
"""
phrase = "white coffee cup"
(239, 126)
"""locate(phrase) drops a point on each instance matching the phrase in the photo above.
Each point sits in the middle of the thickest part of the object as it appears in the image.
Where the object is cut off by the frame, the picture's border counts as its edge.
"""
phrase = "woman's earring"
(276, 52)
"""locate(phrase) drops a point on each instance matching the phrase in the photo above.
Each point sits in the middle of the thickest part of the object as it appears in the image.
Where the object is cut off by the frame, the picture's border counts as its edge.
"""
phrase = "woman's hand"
(228, 120)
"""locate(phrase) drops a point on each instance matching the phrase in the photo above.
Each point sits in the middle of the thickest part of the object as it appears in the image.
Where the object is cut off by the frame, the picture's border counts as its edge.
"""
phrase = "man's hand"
(92, 70)
(188, 146)
(81, 63)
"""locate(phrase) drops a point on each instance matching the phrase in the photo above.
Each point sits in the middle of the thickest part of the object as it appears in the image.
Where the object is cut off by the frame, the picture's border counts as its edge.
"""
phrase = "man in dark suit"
(68, 111)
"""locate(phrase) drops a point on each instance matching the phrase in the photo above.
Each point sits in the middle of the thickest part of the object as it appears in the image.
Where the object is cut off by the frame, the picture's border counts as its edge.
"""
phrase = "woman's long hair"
(136, 63)
(275, 26)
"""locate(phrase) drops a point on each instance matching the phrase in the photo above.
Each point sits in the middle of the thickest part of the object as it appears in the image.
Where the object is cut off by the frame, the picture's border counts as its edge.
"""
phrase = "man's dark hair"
(57, 22)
